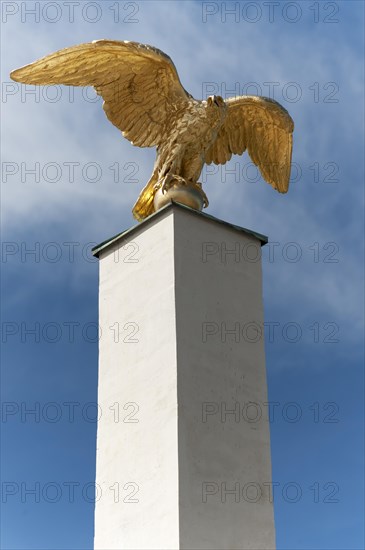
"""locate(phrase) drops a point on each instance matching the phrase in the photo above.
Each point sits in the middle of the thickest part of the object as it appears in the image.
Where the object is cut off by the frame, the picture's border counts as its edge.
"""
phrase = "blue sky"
(85, 180)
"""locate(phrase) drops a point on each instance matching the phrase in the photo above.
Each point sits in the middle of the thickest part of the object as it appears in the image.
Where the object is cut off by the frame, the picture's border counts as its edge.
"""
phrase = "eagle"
(144, 98)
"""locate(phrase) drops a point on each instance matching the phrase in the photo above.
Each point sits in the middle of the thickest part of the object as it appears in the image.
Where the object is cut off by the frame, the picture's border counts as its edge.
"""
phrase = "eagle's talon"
(205, 198)
(167, 183)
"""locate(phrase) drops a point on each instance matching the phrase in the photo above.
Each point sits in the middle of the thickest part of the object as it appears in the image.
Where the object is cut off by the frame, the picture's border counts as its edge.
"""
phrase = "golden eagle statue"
(144, 98)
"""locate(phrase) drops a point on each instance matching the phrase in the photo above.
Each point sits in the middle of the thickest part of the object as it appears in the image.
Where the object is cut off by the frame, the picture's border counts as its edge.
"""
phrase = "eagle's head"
(216, 107)
(216, 101)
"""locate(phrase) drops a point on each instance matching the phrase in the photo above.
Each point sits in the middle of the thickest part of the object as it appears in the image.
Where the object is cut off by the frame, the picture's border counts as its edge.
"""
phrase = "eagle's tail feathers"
(144, 205)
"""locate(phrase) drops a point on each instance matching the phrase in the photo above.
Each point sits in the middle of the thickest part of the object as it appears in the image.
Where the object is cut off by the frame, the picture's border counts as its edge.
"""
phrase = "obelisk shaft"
(183, 460)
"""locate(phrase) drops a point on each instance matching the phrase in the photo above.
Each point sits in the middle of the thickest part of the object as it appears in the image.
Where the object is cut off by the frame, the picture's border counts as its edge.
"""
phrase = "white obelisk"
(183, 444)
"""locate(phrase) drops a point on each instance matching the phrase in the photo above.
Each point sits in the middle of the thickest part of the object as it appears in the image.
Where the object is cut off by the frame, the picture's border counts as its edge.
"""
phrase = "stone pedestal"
(183, 444)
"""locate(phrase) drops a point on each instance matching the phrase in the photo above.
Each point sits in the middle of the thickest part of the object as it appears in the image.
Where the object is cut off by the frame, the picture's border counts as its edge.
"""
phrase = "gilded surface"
(144, 98)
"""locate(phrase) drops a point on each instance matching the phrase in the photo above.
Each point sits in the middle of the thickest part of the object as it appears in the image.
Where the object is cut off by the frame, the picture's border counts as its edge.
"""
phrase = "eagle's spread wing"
(139, 84)
(264, 128)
